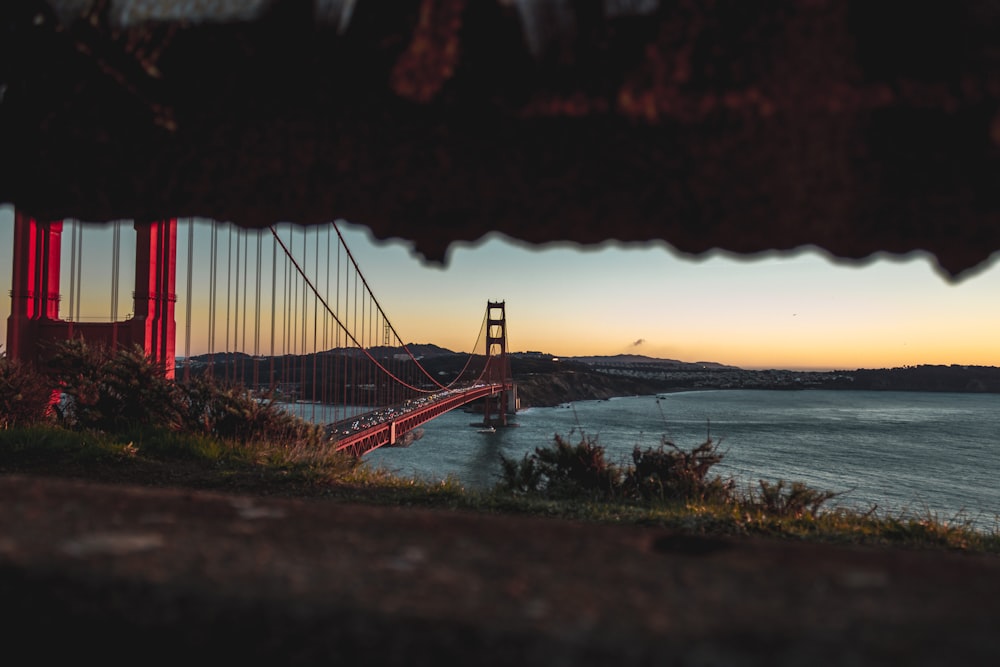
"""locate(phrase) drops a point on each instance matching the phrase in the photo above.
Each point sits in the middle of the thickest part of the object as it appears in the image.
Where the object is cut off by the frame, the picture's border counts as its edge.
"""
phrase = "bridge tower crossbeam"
(34, 315)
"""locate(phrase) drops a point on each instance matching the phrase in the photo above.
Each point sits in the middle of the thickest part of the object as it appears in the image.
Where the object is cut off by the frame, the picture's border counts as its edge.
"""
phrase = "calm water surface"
(913, 453)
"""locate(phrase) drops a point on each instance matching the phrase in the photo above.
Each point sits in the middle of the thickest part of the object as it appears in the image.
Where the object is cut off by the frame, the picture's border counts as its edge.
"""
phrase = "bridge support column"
(34, 285)
(34, 313)
(153, 325)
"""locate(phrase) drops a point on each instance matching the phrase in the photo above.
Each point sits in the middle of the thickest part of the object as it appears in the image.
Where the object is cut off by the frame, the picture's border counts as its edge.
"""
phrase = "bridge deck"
(389, 430)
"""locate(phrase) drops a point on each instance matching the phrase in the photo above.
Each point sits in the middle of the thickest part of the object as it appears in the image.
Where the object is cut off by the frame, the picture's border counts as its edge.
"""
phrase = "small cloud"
(638, 342)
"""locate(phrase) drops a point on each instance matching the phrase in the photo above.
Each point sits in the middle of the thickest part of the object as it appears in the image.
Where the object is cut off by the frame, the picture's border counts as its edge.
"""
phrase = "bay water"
(919, 454)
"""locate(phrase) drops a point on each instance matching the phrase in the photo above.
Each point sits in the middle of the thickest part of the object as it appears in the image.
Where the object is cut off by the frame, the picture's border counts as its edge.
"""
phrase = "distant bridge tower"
(34, 313)
(497, 363)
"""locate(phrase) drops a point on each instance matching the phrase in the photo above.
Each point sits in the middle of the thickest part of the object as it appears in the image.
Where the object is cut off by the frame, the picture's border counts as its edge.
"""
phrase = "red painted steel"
(34, 320)
(389, 432)
(34, 317)
(35, 283)
(153, 325)
(497, 363)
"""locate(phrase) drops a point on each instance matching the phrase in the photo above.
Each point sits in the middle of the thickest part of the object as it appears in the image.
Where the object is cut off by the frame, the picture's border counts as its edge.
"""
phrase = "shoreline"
(602, 396)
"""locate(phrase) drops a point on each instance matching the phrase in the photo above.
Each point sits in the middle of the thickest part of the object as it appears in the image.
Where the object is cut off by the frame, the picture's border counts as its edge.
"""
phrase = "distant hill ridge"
(546, 379)
(642, 359)
(429, 350)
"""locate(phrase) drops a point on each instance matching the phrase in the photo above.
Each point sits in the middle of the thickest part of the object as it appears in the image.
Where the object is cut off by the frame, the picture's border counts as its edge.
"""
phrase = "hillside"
(545, 380)
(563, 386)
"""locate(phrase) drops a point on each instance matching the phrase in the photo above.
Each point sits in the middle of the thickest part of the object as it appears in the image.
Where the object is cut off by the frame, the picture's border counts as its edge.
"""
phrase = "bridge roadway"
(389, 431)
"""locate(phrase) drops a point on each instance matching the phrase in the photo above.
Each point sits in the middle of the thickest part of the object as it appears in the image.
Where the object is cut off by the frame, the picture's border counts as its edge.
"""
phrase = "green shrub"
(796, 500)
(670, 473)
(580, 468)
(25, 394)
(234, 413)
(667, 473)
(522, 477)
(111, 391)
(563, 470)
(124, 391)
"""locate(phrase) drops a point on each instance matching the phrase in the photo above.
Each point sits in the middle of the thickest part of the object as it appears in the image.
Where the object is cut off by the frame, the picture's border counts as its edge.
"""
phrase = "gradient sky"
(794, 310)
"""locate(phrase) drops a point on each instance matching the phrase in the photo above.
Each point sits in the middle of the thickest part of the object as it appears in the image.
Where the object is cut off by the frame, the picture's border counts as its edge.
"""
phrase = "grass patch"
(44, 444)
(295, 469)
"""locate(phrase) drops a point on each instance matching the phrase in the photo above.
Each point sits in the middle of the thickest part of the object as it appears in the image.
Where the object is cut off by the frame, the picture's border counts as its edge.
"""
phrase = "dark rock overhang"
(853, 126)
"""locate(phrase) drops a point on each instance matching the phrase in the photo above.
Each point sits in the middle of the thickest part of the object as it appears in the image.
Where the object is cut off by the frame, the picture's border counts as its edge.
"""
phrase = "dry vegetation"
(120, 421)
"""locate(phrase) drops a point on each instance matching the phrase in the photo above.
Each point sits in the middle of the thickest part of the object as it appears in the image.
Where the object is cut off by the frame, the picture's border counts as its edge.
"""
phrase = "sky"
(798, 310)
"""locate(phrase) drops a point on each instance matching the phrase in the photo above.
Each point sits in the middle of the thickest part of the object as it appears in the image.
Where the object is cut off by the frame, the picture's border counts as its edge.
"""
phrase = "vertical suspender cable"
(366, 317)
(274, 303)
(229, 291)
(291, 303)
(116, 239)
(352, 359)
(355, 394)
(286, 322)
(72, 267)
(243, 311)
(211, 291)
(283, 322)
(294, 331)
(286, 319)
(305, 315)
(256, 319)
(373, 337)
(340, 356)
(354, 327)
(315, 345)
(328, 357)
(187, 305)
(79, 270)
(305, 312)
(118, 266)
(353, 309)
(213, 250)
(366, 344)
(236, 306)
(324, 393)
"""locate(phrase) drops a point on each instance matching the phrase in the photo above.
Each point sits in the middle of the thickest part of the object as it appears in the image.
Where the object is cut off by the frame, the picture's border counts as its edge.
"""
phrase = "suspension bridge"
(284, 311)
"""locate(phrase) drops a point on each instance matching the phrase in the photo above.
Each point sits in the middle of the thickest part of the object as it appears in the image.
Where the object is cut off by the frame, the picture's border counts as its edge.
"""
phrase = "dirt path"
(141, 575)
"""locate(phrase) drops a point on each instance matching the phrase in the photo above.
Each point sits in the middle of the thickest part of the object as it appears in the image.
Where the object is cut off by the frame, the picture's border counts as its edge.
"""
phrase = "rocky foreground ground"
(138, 575)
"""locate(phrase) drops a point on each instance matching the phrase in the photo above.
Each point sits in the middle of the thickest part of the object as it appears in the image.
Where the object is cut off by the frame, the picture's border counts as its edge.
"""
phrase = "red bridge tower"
(497, 363)
(34, 314)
